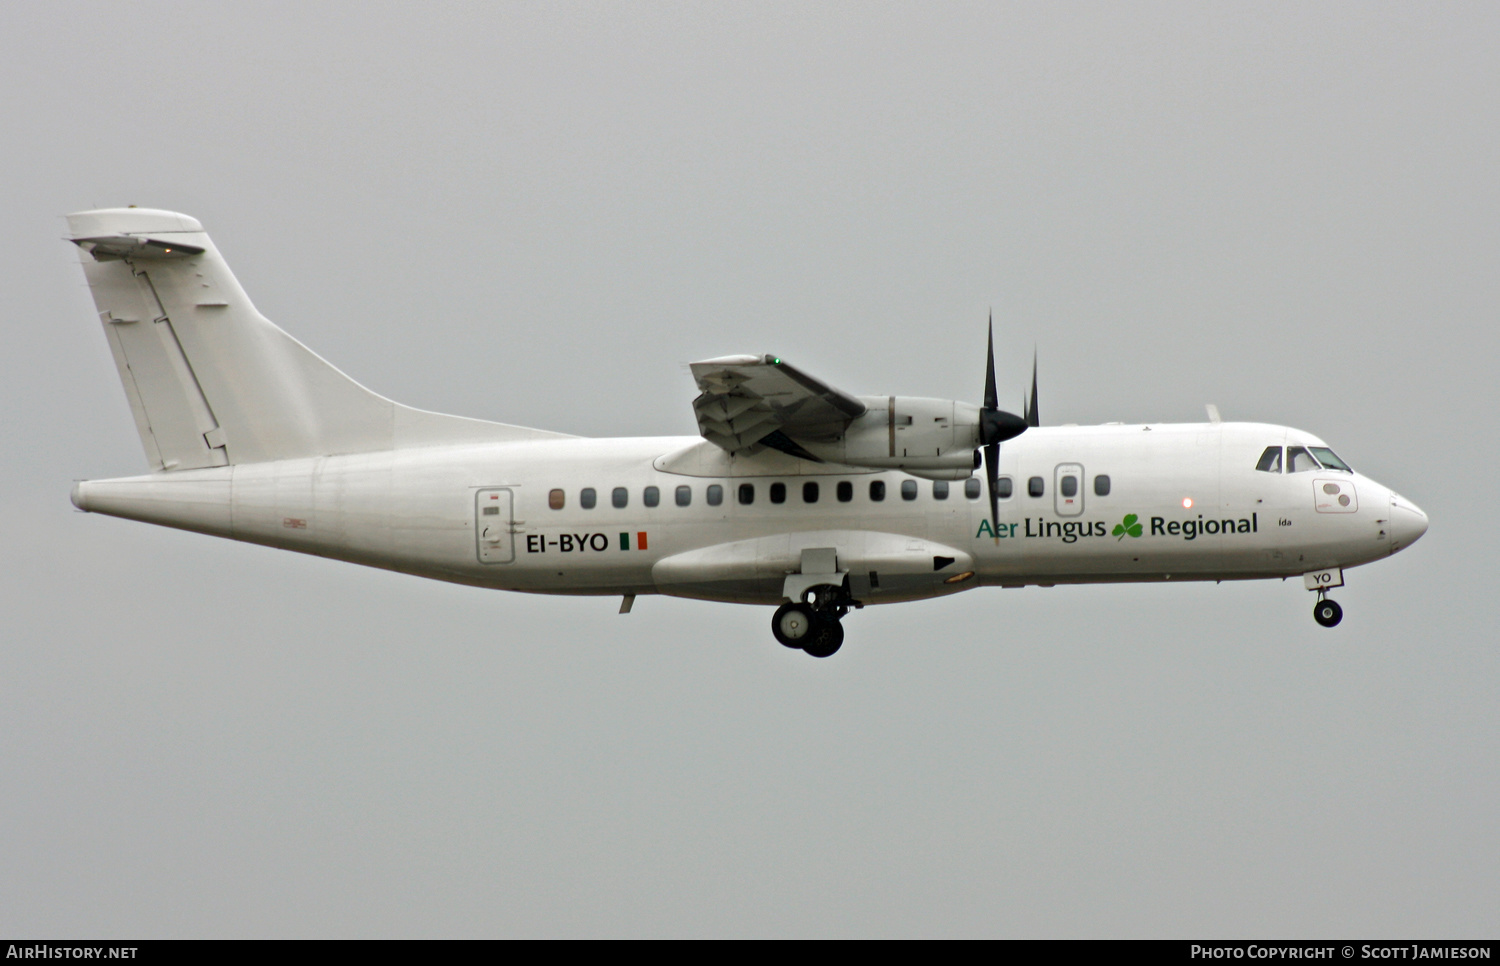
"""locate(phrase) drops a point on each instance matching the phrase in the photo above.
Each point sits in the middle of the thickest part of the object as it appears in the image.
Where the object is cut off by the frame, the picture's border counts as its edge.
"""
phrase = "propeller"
(1030, 408)
(996, 426)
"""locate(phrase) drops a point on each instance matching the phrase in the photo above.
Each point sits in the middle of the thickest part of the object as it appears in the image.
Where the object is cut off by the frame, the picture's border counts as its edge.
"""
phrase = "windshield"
(1329, 460)
(1299, 460)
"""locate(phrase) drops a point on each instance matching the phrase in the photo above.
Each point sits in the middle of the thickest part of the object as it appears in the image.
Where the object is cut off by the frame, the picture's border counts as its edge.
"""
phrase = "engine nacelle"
(931, 438)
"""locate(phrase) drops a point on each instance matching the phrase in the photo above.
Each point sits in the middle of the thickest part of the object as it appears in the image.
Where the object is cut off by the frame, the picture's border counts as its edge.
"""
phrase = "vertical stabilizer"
(209, 379)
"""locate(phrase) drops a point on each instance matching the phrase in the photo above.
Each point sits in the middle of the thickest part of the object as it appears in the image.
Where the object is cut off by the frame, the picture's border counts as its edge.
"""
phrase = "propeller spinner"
(996, 426)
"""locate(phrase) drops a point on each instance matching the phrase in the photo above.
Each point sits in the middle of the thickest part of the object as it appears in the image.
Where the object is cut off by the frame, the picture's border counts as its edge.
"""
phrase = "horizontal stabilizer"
(123, 246)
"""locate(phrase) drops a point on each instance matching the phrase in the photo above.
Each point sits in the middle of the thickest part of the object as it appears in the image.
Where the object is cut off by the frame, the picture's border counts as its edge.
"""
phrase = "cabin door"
(1067, 489)
(492, 526)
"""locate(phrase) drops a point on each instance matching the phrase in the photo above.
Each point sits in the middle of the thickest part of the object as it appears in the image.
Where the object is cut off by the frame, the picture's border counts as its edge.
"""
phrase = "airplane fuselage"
(513, 516)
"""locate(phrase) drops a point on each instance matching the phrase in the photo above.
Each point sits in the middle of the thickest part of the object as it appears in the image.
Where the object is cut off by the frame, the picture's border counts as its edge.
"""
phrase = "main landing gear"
(814, 626)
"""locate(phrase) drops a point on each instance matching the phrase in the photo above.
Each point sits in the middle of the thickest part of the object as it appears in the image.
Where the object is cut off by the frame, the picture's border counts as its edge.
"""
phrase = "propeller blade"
(992, 477)
(991, 397)
(1032, 419)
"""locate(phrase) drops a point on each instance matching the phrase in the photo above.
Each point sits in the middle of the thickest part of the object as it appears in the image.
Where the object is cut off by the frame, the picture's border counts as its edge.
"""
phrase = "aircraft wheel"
(826, 639)
(794, 625)
(1328, 613)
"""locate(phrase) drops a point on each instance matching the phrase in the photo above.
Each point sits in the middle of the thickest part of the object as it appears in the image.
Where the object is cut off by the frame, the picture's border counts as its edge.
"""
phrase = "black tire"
(827, 638)
(1328, 613)
(794, 625)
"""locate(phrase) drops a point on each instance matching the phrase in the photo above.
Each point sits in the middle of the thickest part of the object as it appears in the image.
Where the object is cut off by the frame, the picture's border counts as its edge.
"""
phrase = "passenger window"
(908, 489)
(556, 499)
(809, 493)
(1003, 489)
(971, 488)
(684, 495)
(747, 494)
(845, 491)
(1101, 485)
(587, 498)
(715, 494)
(877, 491)
(778, 492)
(940, 489)
(1270, 460)
(1070, 486)
(620, 497)
(1035, 486)
(651, 497)
(1299, 460)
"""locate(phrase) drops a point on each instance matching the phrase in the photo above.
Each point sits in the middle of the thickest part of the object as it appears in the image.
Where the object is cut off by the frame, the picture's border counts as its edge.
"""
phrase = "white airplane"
(797, 496)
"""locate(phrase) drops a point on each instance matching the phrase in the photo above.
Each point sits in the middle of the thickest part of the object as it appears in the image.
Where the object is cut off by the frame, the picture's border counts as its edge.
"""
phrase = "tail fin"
(210, 380)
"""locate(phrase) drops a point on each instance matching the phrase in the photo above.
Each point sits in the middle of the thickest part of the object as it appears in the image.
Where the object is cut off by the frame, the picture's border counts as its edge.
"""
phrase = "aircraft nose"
(1408, 523)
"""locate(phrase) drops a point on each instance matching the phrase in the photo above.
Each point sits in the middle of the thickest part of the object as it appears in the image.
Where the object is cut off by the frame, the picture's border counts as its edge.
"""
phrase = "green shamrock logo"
(1131, 525)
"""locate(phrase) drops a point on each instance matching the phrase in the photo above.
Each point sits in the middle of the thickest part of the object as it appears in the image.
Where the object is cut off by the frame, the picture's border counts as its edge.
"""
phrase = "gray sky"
(539, 213)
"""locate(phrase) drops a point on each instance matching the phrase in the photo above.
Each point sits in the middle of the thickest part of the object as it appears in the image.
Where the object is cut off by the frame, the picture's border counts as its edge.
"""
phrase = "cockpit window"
(1329, 460)
(1299, 460)
(1270, 460)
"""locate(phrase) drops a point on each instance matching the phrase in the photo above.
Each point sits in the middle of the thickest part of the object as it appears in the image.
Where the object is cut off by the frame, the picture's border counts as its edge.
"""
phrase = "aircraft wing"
(750, 400)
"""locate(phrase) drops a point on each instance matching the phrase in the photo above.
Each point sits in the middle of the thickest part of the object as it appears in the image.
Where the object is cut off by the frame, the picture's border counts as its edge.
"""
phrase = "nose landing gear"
(814, 627)
(1327, 612)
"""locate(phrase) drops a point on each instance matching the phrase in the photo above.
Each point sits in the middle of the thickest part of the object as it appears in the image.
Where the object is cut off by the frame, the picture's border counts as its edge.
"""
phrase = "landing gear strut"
(1327, 612)
(813, 626)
